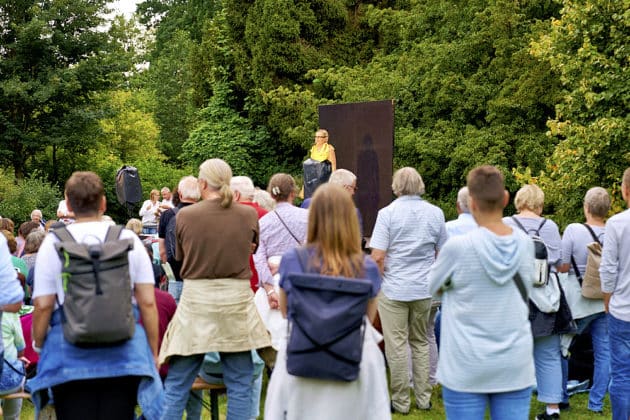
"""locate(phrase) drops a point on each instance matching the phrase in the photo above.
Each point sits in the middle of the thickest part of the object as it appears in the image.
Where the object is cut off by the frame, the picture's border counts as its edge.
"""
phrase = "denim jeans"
(513, 405)
(238, 369)
(175, 289)
(547, 358)
(619, 367)
(149, 230)
(597, 325)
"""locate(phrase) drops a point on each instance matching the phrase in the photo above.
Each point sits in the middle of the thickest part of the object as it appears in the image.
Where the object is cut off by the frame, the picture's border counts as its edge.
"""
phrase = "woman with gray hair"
(546, 326)
(588, 313)
(406, 238)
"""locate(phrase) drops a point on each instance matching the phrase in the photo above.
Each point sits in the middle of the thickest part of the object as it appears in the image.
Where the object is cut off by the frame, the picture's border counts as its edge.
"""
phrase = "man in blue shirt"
(614, 272)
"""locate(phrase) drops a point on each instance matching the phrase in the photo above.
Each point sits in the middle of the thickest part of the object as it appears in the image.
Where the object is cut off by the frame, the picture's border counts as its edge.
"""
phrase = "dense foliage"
(537, 87)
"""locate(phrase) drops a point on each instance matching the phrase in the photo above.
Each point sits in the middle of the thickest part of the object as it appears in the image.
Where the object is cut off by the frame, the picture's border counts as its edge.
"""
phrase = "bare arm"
(378, 255)
(11, 307)
(145, 296)
(607, 297)
(372, 309)
(332, 157)
(283, 303)
(44, 306)
(162, 247)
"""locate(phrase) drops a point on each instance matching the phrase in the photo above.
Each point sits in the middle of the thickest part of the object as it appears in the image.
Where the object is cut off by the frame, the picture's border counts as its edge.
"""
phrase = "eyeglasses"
(321, 137)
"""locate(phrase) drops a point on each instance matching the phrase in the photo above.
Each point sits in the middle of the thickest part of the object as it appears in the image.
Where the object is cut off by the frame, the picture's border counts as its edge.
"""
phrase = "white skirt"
(290, 397)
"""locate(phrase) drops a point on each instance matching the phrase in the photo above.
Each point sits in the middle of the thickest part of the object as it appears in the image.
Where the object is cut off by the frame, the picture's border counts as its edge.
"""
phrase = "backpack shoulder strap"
(595, 238)
(540, 227)
(519, 224)
(577, 271)
(521, 287)
(63, 234)
(113, 233)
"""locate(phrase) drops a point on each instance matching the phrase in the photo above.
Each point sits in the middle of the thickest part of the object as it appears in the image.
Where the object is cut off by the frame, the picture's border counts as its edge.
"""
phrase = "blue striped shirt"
(410, 231)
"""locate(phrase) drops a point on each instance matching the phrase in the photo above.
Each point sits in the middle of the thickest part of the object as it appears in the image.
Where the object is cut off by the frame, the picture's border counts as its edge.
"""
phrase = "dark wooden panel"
(363, 136)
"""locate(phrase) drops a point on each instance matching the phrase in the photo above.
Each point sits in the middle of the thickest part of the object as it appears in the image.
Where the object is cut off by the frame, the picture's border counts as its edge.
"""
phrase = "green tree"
(54, 56)
(226, 135)
(587, 46)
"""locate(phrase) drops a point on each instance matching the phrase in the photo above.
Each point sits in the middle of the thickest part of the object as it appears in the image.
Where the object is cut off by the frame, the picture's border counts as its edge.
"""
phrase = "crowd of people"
(459, 303)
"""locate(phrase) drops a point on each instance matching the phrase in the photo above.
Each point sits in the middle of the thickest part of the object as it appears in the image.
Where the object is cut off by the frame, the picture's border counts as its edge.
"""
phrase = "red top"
(253, 281)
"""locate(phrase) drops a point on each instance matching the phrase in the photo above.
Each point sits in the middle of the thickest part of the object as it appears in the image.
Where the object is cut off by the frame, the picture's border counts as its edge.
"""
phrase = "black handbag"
(326, 324)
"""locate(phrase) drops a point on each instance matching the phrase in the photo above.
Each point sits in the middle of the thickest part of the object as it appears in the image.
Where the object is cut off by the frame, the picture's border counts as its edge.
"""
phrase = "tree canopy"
(537, 87)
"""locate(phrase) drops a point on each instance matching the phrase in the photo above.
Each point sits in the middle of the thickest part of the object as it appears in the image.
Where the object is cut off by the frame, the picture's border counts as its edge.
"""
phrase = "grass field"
(578, 410)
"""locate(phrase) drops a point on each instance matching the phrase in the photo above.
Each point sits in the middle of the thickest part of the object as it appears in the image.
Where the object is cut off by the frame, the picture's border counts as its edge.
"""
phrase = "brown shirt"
(215, 242)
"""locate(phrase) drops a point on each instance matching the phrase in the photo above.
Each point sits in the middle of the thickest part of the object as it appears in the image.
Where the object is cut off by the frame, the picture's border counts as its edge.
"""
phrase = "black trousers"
(102, 398)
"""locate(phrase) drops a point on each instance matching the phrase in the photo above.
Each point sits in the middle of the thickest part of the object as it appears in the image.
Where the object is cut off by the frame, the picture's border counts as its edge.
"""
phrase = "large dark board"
(363, 136)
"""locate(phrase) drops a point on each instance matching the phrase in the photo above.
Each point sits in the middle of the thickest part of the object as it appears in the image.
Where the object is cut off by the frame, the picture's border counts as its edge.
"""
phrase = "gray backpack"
(97, 309)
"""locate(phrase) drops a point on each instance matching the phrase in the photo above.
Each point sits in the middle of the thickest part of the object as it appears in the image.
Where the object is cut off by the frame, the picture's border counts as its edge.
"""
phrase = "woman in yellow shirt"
(322, 150)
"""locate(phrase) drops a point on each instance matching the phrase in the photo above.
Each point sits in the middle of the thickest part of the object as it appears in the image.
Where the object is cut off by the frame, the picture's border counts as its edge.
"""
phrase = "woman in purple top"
(334, 248)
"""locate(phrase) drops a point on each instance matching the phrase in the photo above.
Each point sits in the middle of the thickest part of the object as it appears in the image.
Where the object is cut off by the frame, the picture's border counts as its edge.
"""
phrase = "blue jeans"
(619, 367)
(238, 370)
(175, 289)
(547, 358)
(149, 230)
(513, 405)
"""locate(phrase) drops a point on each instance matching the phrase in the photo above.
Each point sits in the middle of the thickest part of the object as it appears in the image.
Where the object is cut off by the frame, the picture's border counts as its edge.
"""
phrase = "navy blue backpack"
(326, 324)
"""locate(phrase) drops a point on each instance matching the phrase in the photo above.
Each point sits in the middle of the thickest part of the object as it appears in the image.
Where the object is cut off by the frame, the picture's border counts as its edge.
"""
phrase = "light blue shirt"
(11, 290)
(614, 269)
(464, 223)
(486, 343)
(410, 231)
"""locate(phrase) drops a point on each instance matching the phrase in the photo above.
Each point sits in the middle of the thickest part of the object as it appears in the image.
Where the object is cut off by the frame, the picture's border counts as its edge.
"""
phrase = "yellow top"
(322, 153)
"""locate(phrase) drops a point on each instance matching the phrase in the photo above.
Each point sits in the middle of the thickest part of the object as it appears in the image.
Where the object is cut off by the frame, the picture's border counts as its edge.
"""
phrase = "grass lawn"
(578, 409)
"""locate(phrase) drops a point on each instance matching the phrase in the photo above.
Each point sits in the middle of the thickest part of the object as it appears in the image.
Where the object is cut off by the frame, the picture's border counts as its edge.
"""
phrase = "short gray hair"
(264, 199)
(342, 177)
(407, 181)
(597, 202)
(462, 199)
(244, 185)
(188, 188)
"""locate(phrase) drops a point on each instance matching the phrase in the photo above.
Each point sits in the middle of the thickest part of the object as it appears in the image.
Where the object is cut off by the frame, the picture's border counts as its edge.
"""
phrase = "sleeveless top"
(321, 154)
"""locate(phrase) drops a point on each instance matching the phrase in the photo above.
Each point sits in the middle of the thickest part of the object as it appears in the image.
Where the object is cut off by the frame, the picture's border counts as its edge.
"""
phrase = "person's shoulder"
(550, 223)
(244, 210)
(622, 217)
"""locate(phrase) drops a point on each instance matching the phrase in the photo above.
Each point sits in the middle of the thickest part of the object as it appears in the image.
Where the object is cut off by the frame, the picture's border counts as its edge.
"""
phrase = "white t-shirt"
(63, 208)
(48, 264)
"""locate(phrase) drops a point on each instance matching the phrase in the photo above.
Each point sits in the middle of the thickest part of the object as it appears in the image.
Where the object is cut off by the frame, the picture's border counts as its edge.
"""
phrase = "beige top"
(215, 242)
(214, 315)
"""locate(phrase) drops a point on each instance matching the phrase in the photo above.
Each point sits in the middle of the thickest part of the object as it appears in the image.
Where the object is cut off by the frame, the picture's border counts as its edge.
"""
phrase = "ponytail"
(226, 196)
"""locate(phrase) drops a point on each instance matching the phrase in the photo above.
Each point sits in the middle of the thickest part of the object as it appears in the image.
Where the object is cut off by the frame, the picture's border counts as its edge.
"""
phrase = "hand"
(607, 297)
(273, 268)
(273, 300)
(25, 361)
